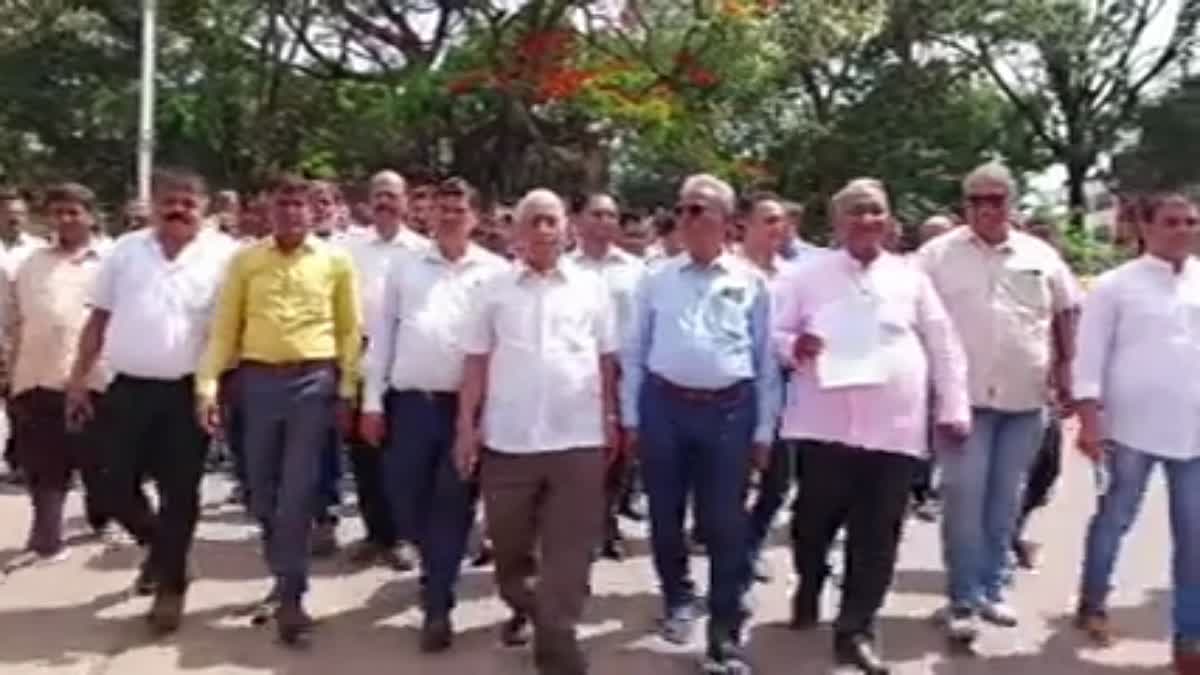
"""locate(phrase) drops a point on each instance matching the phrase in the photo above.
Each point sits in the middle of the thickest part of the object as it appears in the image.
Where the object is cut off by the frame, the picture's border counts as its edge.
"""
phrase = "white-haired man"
(700, 390)
(1012, 300)
(538, 395)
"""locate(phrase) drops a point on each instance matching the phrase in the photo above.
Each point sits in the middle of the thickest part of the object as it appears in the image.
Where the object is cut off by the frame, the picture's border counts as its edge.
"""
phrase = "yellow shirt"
(281, 307)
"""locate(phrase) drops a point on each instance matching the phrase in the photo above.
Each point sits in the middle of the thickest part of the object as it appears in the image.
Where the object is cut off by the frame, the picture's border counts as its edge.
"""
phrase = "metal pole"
(145, 156)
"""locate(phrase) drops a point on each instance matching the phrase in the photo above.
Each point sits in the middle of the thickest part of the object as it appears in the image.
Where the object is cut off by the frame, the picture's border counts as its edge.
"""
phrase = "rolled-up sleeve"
(1093, 340)
(947, 359)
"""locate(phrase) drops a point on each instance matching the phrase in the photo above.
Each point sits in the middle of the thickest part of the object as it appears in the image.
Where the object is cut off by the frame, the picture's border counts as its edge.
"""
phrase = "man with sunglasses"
(1135, 387)
(699, 397)
(1011, 297)
(598, 228)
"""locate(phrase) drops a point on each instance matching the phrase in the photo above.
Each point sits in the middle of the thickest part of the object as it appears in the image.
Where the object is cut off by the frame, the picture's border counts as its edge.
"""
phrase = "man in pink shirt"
(862, 436)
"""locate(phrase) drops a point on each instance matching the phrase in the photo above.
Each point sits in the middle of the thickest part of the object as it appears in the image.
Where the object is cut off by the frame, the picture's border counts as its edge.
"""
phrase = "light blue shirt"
(702, 327)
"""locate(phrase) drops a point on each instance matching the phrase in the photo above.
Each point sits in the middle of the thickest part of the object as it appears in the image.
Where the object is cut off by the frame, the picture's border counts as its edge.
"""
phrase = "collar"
(722, 263)
(472, 255)
(1162, 266)
(858, 265)
(308, 244)
(90, 250)
(1006, 246)
(562, 271)
(611, 254)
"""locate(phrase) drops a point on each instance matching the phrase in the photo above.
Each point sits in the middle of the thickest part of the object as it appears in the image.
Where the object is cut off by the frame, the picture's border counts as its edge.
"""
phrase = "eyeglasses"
(995, 201)
(690, 210)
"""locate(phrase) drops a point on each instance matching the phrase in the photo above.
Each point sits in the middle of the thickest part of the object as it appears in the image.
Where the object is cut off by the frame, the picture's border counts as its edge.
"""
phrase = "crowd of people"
(554, 363)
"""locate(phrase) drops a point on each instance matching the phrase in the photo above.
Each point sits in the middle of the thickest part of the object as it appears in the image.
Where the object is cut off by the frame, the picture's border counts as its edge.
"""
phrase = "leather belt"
(289, 367)
(724, 394)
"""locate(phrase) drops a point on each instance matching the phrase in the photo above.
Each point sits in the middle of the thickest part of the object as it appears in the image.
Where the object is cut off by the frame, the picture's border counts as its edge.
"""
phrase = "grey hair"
(387, 178)
(723, 191)
(859, 187)
(991, 172)
(535, 198)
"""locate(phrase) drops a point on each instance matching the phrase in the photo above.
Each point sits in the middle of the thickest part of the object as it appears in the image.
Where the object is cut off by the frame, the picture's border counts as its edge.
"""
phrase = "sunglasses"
(690, 210)
(995, 201)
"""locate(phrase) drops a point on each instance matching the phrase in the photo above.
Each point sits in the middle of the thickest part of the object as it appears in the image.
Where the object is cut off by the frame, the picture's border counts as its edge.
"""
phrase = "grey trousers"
(289, 413)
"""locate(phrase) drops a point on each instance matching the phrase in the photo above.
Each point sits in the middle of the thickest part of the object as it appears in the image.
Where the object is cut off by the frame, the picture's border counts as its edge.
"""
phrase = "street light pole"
(145, 156)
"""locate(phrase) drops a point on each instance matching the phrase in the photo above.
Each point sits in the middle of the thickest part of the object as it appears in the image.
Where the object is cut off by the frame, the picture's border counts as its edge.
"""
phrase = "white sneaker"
(961, 624)
(998, 613)
(62, 555)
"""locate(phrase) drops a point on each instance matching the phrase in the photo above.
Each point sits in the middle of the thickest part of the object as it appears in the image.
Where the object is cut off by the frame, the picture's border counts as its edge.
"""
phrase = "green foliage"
(1087, 254)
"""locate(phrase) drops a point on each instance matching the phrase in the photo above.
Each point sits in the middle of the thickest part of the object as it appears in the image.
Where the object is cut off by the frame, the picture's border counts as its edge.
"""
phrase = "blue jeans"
(288, 419)
(430, 501)
(1128, 473)
(982, 483)
(703, 446)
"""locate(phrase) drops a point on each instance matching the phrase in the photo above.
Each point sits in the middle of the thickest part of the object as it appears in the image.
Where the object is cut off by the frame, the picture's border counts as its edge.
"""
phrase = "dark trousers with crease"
(289, 418)
(152, 430)
(867, 492)
(432, 504)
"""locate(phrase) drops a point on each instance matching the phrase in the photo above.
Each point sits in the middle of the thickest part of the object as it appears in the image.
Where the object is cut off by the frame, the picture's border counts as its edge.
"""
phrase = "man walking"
(1139, 407)
(45, 318)
(1011, 298)
(150, 315)
(598, 229)
(410, 405)
(374, 250)
(538, 396)
(700, 394)
(288, 312)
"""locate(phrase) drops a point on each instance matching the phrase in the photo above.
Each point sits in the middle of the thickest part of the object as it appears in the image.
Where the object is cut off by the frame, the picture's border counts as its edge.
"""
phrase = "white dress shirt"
(159, 308)
(621, 271)
(545, 334)
(1139, 355)
(415, 341)
(372, 256)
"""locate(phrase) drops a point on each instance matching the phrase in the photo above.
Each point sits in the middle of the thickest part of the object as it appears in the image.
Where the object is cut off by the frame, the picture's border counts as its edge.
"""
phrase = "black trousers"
(867, 492)
(1047, 465)
(152, 430)
(367, 464)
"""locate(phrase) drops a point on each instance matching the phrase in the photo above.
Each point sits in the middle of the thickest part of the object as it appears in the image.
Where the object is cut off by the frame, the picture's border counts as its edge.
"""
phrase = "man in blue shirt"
(699, 395)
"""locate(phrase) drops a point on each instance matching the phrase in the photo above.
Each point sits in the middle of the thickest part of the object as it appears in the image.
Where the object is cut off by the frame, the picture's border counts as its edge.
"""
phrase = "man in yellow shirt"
(288, 315)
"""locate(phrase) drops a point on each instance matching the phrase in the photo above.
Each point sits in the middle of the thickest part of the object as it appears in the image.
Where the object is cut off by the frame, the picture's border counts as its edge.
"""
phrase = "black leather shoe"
(294, 625)
(516, 632)
(436, 635)
(613, 549)
(146, 583)
(858, 651)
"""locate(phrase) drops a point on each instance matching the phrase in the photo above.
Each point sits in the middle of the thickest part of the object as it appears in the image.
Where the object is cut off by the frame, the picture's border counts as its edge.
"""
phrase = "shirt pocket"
(573, 329)
(727, 309)
(1027, 288)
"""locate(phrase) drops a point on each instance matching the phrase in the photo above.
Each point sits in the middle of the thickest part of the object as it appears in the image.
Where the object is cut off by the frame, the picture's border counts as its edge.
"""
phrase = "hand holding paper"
(851, 354)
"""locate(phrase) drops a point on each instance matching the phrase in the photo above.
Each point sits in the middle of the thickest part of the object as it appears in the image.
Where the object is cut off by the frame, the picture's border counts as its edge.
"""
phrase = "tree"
(1076, 71)
(1164, 156)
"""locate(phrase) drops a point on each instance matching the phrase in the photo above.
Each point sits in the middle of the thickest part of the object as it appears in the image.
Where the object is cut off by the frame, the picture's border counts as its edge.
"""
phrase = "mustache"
(176, 217)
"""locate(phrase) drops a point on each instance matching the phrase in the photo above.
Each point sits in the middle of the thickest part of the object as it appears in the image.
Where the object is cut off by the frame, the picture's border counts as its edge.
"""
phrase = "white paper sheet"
(851, 355)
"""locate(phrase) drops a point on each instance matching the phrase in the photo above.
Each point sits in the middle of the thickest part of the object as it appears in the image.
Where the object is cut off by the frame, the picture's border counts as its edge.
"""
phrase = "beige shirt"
(1002, 300)
(49, 302)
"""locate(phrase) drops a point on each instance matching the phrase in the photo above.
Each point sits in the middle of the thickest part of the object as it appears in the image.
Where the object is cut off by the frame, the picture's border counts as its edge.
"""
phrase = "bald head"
(389, 203)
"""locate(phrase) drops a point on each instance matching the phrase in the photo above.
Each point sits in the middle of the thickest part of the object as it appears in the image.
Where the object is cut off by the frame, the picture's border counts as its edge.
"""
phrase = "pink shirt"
(917, 338)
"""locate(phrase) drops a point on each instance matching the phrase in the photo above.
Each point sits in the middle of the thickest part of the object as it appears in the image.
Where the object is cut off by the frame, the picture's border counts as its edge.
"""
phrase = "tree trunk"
(1077, 171)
